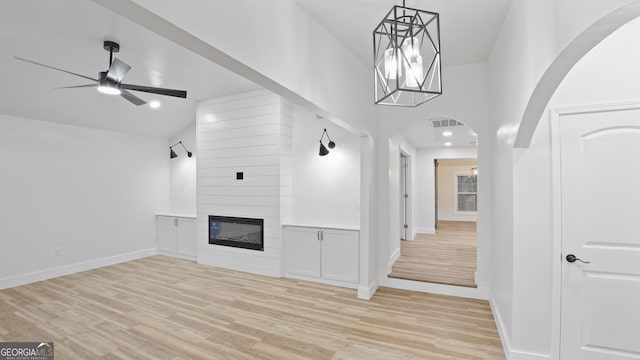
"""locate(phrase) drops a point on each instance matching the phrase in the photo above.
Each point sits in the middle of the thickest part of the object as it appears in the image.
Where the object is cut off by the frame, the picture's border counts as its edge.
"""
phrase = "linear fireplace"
(246, 233)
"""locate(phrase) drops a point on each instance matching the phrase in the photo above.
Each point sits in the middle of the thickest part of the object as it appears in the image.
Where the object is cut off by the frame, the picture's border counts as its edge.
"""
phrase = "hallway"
(448, 257)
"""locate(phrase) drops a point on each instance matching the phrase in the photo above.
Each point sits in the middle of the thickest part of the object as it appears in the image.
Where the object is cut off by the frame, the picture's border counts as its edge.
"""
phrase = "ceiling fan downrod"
(111, 47)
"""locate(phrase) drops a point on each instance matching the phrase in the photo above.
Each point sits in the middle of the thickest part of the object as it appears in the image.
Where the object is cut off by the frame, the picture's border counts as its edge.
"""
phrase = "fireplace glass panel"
(247, 233)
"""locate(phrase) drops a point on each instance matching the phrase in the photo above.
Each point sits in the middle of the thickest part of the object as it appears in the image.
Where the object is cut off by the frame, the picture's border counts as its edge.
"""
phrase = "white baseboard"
(523, 355)
(428, 231)
(458, 218)
(366, 292)
(176, 255)
(509, 352)
(392, 260)
(504, 338)
(479, 293)
(414, 233)
(51, 273)
(345, 284)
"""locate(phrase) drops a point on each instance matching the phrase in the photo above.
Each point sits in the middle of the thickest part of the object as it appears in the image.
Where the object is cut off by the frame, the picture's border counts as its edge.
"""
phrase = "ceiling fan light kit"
(406, 57)
(110, 81)
(107, 86)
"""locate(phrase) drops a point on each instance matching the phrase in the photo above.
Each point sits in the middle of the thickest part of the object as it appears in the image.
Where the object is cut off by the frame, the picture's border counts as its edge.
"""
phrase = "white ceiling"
(68, 34)
(423, 135)
(468, 27)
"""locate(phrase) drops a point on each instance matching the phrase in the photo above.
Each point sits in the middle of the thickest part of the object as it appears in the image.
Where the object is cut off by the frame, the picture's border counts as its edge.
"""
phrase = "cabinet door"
(166, 234)
(186, 237)
(302, 251)
(341, 255)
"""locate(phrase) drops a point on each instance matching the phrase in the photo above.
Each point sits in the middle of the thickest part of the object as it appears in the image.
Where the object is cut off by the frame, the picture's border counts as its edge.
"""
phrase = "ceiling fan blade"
(117, 70)
(132, 98)
(155, 90)
(54, 68)
(78, 86)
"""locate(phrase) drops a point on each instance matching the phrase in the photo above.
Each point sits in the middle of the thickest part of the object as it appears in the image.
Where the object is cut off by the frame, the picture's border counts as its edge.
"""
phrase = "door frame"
(405, 173)
(436, 163)
(555, 115)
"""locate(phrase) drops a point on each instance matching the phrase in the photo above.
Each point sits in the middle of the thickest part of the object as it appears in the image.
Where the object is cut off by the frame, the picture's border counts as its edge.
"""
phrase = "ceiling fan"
(110, 81)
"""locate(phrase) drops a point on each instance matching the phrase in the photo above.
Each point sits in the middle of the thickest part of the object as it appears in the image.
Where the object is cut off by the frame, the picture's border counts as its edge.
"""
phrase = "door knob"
(572, 258)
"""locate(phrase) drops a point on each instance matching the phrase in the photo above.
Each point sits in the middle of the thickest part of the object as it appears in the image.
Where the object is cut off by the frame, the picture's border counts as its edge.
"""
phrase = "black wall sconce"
(173, 154)
(323, 150)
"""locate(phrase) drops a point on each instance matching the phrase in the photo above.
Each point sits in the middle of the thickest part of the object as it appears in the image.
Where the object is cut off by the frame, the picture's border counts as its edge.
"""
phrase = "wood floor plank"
(165, 308)
(447, 257)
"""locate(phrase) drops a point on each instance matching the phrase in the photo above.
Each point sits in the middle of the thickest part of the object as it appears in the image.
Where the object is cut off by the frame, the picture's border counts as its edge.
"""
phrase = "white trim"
(510, 353)
(186, 216)
(502, 332)
(428, 231)
(458, 218)
(392, 260)
(480, 293)
(176, 255)
(525, 355)
(345, 284)
(13, 281)
(408, 188)
(366, 292)
(556, 232)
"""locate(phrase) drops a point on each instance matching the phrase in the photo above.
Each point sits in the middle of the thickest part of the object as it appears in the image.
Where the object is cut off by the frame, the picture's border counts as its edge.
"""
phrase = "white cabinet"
(176, 236)
(319, 254)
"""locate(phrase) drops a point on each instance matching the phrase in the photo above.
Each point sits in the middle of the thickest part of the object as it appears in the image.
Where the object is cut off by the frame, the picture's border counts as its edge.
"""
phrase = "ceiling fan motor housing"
(103, 80)
(107, 85)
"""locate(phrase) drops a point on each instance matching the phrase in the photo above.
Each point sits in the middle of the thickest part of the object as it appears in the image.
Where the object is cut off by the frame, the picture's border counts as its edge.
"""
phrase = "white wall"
(92, 193)
(248, 133)
(602, 76)
(539, 43)
(183, 173)
(426, 182)
(326, 189)
(448, 170)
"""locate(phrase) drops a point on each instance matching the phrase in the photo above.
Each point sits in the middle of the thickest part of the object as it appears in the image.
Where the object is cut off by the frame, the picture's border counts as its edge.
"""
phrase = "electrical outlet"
(58, 251)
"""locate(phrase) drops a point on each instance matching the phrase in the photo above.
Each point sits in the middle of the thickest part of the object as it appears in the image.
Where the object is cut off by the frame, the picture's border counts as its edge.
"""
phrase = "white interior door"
(600, 178)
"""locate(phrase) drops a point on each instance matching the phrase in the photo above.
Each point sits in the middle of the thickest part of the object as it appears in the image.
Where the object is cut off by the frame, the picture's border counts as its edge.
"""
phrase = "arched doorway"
(422, 198)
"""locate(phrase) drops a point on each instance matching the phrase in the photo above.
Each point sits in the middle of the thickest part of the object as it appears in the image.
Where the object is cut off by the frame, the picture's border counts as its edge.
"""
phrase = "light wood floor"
(165, 308)
(448, 257)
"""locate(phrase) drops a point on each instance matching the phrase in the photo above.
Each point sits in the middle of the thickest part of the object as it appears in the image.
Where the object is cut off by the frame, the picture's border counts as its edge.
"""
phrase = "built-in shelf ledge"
(324, 226)
(186, 216)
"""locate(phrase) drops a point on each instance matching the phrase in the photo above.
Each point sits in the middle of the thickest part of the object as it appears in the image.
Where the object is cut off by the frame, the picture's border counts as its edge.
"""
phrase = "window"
(466, 193)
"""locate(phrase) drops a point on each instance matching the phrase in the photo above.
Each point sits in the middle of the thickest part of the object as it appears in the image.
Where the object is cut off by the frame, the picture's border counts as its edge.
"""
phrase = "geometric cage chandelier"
(406, 57)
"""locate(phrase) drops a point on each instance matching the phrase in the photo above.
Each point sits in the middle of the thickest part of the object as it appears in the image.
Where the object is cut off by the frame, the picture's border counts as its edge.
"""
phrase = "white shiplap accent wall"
(286, 162)
(249, 132)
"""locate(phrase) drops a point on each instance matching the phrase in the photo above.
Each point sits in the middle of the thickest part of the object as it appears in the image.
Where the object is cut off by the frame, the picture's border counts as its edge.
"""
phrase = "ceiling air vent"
(440, 123)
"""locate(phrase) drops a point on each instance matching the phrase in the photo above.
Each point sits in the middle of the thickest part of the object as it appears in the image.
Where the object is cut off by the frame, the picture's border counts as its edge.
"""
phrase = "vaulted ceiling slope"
(69, 34)
(469, 28)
